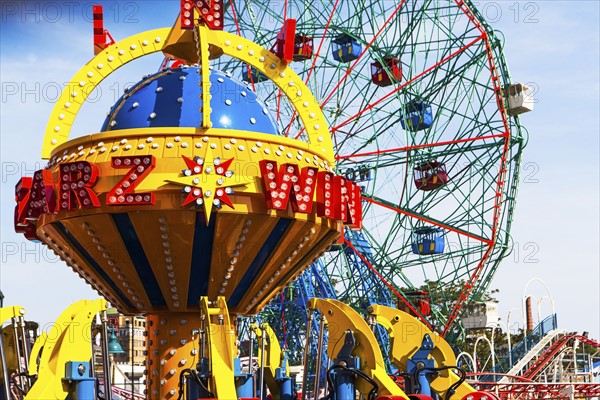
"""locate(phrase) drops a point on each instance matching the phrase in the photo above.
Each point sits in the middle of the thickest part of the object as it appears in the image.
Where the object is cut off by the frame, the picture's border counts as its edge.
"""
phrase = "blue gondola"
(345, 48)
(363, 173)
(428, 240)
(417, 116)
(256, 75)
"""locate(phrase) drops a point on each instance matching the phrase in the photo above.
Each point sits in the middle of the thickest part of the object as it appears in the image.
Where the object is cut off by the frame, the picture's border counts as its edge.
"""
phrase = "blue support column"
(420, 367)
(343, 376)
(194, 390)
(79, 377)
(286, 387)
(243, 381)
(343, 380)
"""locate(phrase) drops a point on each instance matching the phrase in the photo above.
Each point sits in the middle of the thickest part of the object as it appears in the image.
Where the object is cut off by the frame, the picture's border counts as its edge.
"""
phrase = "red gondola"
(303, 47)
(430, 175)
(387, 73)
(419, 298)
(292, 46)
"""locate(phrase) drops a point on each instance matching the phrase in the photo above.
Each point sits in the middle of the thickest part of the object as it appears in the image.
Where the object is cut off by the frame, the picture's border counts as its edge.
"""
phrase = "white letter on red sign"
(287, 183)
(348, 206)
(76, 182)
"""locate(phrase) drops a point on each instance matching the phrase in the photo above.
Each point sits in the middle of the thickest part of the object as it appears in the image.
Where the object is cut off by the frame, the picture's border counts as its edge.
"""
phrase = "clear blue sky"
(552, 45)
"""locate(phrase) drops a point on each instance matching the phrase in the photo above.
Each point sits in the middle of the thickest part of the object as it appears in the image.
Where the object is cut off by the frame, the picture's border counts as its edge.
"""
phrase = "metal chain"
(197, 43)
(199, 61)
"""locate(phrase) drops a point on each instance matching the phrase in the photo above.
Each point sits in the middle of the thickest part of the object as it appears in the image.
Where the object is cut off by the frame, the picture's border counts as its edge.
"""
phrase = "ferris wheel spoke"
(235, 19)
(417, 147)
(391, 287)
(402, 86)
(314, 60)
(278, 115)
(364, 129)
(428, 220)
(381, 253)
(365, 50)
(462, 298)
(322, 41)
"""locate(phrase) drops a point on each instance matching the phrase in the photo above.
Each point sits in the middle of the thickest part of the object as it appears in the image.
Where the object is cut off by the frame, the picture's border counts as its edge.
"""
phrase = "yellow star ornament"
(205, 182)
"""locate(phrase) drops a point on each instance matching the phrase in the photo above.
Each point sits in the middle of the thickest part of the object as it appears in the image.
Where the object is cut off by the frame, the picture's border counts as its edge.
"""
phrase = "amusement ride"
(300, 202)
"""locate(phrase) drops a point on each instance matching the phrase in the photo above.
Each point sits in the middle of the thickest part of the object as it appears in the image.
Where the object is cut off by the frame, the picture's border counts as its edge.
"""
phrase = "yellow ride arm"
(7, 313)
(221, 345)
(342, 318)
(406, 335)
(69, 339)
(273, 356)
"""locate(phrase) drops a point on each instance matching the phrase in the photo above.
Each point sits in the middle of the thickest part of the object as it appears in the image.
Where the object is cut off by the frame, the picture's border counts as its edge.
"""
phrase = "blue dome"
(171, 98)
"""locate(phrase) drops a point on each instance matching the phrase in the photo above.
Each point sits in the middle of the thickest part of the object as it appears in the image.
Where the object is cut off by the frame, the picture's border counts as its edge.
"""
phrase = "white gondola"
(520, 99)
(480, 315)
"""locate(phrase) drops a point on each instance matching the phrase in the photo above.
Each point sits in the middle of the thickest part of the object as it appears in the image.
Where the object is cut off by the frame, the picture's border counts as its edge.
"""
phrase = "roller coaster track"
(535, 390)
(524, 386)
(544, 360)
(520, 350)
(533, 354)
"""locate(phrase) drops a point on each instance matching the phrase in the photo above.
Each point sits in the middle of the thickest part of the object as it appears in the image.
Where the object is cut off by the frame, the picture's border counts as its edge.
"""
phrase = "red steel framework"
(534, 390)
(525, 387)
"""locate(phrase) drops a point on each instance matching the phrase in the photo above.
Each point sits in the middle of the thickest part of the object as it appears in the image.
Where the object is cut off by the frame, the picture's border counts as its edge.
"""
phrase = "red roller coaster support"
(540, 364)
(535, 390)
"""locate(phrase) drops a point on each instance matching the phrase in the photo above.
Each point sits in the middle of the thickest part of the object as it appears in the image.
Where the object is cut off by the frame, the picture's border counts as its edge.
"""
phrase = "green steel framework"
(450, 59)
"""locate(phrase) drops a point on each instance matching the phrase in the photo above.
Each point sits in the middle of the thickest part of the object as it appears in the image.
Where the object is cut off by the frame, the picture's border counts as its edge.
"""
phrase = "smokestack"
(529, 314)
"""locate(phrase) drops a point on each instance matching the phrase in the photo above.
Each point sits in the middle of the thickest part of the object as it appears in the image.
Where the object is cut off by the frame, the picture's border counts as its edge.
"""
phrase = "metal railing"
(528, 342)
(126, 394)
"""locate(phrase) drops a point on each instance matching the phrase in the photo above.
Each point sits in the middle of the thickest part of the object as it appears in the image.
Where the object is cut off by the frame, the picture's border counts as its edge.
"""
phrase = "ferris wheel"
(415, 97)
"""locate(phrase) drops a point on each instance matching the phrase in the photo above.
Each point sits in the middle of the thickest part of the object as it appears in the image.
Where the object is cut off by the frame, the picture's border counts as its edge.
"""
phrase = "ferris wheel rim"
(501, 139)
